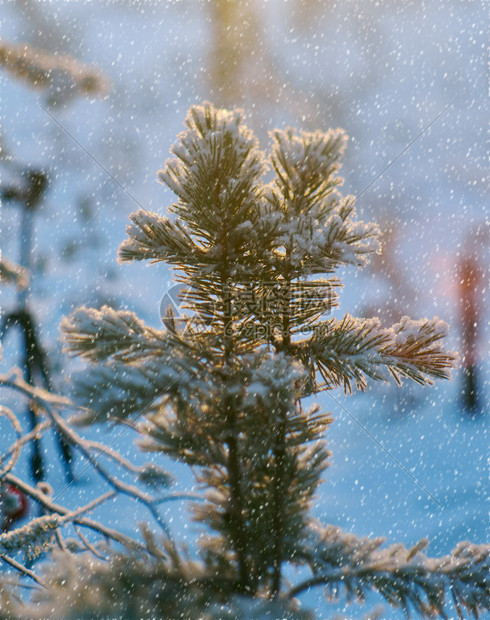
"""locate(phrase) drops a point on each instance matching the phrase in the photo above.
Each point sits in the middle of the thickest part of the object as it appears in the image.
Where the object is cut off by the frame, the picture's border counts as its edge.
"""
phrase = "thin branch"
(34, 434)
(115, 456)
(122, 539)
(60, 540)
(319, 580)
(44, 399)
(41, 396)
(90, 506)
(179, 496)
(88, 545)
(74, 438)
(16, 447)
(15, 584)
(22, 569)
(46, 502)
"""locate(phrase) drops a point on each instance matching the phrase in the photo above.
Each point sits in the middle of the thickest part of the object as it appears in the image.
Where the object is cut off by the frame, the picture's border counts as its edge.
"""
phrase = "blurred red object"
(13, 506)
(470, 279)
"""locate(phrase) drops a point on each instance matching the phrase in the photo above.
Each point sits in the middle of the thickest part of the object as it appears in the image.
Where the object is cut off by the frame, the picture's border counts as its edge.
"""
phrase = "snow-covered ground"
(383, 71)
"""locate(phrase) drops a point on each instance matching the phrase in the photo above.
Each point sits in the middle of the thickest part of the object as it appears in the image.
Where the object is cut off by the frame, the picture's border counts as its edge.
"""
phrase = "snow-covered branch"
(155, 238)
(346, 352)
(46, 501)
(40, 531)
(406, 578)
(306, 163)
(97, 335)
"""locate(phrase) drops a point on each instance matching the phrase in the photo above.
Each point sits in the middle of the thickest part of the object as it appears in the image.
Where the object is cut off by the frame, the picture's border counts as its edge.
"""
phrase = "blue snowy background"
(407, 463)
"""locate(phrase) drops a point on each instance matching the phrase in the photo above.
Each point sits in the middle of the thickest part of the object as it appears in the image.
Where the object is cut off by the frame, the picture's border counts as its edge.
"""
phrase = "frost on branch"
(318, 224)
(322, 241)
(346, 352)
(31, 537)
(155, 238)
(120, 390)
(99, 335)
(163, 582)
(216, 175)
(133, 364)
(306, 162)
(39, 536)
(216, 156)
(406, 578)
(160, 585)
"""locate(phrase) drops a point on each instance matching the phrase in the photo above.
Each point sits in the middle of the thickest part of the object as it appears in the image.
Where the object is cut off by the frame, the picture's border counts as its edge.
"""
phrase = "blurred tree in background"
(60, 78)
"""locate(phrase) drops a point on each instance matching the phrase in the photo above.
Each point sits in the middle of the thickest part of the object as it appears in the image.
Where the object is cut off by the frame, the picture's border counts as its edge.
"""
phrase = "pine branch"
(406, 578)
(317, 223)
(156, 238)
(216, 158)
(418, 352)
(306, 163)
(168, 586)
(105, 334)
(340, 240)
(262, 380)
(117, 391)
(346, 352)
(325, 236)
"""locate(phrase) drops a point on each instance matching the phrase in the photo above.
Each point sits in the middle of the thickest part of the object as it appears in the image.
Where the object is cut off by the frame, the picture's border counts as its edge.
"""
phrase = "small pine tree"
(221, 388)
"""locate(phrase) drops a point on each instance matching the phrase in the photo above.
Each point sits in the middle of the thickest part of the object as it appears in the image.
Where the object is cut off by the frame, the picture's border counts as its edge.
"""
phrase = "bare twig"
(47, 401)
(127, 489)
(34, 434)
(47, 502)
(88, 545)
(5, 412)
(22, 569)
